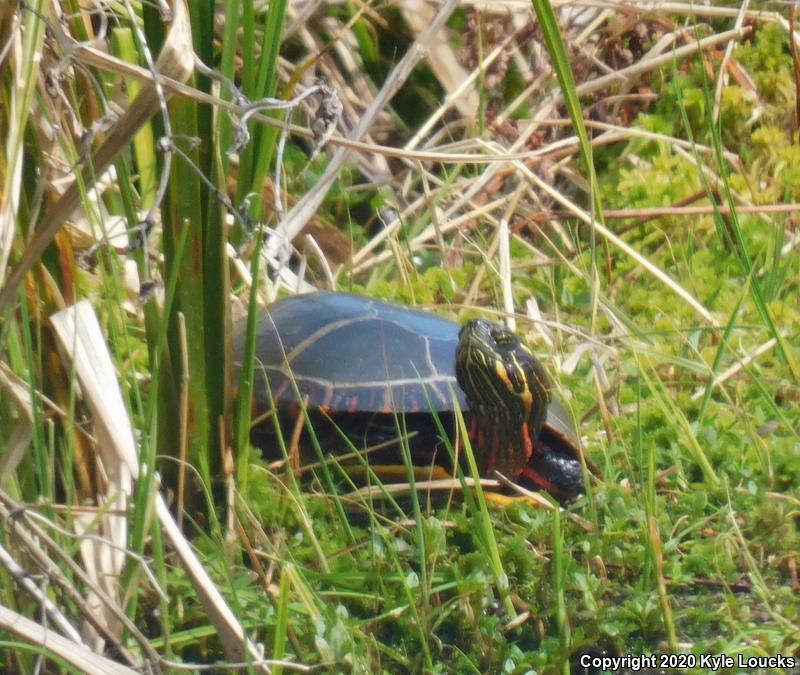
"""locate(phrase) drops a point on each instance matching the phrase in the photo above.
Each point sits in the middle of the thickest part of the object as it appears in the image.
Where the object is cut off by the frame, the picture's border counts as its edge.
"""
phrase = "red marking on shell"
(538, 479)
(353, 407)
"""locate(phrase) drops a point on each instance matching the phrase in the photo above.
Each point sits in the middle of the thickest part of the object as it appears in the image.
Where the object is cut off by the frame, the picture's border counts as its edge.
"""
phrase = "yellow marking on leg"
(504, 501)
(398, 473)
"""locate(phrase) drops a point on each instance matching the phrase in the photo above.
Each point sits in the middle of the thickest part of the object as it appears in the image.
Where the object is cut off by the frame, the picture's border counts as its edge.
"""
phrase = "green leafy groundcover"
(689, 541)
(402, 597)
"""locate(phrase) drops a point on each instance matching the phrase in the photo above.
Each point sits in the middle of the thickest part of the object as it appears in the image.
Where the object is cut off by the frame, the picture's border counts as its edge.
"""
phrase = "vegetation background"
(623, 179)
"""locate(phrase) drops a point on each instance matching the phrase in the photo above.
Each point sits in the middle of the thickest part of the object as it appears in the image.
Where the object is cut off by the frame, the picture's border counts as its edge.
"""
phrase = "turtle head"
(507, 391)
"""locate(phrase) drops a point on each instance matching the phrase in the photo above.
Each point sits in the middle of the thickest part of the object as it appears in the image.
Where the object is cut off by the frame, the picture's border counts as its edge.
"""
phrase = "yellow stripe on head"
(526, 396)
(502, 373)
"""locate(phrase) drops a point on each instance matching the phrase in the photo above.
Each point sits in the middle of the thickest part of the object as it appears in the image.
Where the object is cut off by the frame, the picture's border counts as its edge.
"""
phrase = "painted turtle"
(356, 362)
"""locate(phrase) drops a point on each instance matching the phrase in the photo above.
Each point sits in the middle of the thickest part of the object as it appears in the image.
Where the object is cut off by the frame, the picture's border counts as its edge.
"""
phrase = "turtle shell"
(346, 353)
(359, 360)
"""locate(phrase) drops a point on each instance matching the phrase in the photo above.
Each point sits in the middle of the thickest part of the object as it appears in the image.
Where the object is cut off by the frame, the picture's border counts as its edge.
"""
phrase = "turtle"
(365, 368)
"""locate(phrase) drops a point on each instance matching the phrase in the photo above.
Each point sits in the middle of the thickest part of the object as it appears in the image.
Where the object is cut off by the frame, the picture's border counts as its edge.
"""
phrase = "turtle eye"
(502, 336)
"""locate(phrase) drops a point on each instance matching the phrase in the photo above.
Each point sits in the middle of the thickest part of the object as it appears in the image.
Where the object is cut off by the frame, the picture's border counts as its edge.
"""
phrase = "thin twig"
(53, 613)
(306, 206)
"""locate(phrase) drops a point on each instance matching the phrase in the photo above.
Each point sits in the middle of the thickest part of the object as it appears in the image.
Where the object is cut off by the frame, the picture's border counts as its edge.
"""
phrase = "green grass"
(674, 342)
